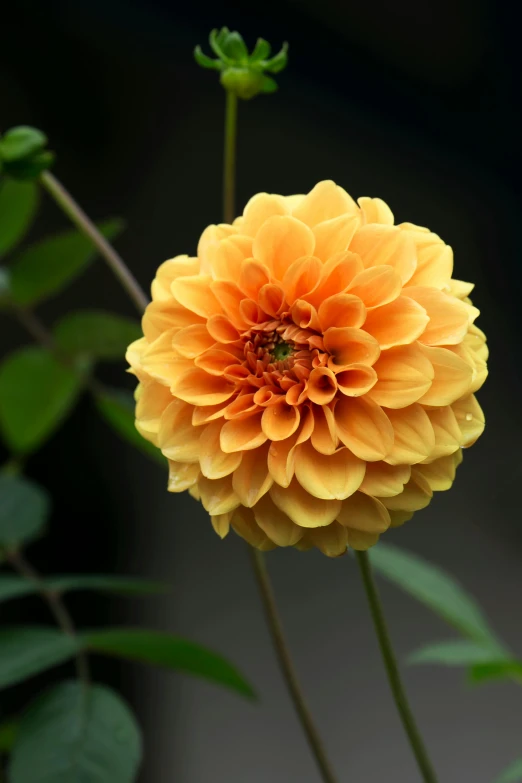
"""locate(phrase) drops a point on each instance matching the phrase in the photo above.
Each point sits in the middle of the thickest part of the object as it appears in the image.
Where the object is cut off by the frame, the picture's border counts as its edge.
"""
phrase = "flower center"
(282, 351)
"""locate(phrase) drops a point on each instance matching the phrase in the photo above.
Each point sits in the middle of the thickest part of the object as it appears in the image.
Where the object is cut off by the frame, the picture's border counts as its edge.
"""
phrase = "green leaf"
(77, 734)
(513, 774)
(8, 732)
(24, 509)
(279, 62)
(234, 47)
(458, 652)
(205, 61)
(31, 168)
(18, 587)
(117, 408)
(163, 649)
(48, 266)
(435, 589)
(96, 334)
(36, 394)
(18, 203)
(496, 670)
(21, 142)
(269, 85)
(261, 51)
(27, 651)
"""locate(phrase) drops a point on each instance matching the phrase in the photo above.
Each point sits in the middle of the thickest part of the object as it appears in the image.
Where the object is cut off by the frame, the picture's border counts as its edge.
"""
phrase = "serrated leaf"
(27, 651)
(36, 394)
(17, 587)
(77, 734)
(45, 268)
(24, 510)
(496, 670)
(8, 732)
(457, 652)
(18, 203)
(117, 408)
(435, 589)
(513, 774)
(172, 652)
(21, 142)
(96, 334)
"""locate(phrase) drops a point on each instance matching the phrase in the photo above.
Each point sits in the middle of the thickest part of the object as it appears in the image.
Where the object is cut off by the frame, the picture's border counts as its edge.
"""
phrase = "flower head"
(310, 374)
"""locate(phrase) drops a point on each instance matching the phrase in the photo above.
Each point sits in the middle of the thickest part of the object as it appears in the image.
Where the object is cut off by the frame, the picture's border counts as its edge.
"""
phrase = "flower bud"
(23, 154)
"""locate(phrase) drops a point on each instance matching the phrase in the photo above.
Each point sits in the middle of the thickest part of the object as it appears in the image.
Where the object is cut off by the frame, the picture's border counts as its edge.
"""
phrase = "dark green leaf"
(73, 734)
(96, 334)
(27, 651)
(17, 587)
(21, 142)
(435, 589)
(269, 85)
(36, 394)
(163, 649)
(513, 774)
(216, 40)
(205, 61)
(32, 167)
(24, 509)
(496, 670)
(261, 51)
(458, 652)
(18, 202)
(279, 62)
(8, 732)
(48, 266)
(117, 408)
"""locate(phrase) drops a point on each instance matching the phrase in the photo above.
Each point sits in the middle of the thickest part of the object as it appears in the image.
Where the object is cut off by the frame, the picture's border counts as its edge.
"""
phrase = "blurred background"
(418, 103)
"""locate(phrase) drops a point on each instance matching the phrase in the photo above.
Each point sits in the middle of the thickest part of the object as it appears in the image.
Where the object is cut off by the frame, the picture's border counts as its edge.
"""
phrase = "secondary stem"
(392, 670)
(56, 605)
(229, 163)
(82, 221)
(287, 667)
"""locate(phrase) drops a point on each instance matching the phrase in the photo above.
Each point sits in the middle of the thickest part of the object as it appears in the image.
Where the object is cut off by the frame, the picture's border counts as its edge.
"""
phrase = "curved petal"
(334, 235)
(364, 428)
(414, 439)
(245, 525)
(342, 310)
(417, 494)
(301, 277)
(449, 318)
(331, 540)
(322, 386)
(277, 526)
(337, 274)
(242, 434)
(251, 480)
(214, 462)
(347, 346)
(434, 259)
(361, 541)
(446, 429)
(452, 377)
(182, 475)
(356, 380)
(332, 477)
(194, 293)
(398, 323)
(279, 421)
(324, 436)
(470, 419)
(281, 455)
(302, 508)
(375, 210)
(217, 495)
(180, 266)
(221, 523)
(200, 388)
(378, 244)
(192, 340)
(376, 286)
(404, 375)
(253, 277)
(280, 241)
(440, 473)
(364, 513)
(177, 438)
(324, 202)
(383, 480)
(261, 207)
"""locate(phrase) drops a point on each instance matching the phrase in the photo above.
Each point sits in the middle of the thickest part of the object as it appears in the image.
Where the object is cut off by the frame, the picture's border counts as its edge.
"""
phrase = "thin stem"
(392, 670)
(55, 604)
(229, 161)
(287, 667)
(82, 221)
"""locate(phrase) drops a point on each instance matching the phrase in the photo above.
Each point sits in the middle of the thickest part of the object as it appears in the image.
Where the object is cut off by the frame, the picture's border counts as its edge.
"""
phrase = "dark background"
(418, 103)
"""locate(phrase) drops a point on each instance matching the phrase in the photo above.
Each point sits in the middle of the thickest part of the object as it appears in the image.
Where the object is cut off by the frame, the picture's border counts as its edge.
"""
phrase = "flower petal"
(434, 259)
(334, 235)
(191, 341)
(277, 526)
(252, 480)
(342, 310)
(449, 318)
(325, 201)
(383, 480)
(302, 508)
(376, 286)
(332, 477)
(404, 375)
(417, 494)
(362, 512)
(322, 386)
(214, 462)
(452, 377)
(221, 523)
(194, 293)
(182, 475)
(470, 419)
(280, 241)
(446, 429)
(245, 525)
(361, 541)
(356, 380)
(398, 323)
(279, 421)
(242, 434)
(217, 495)
(200, 388)
(332, 540)
(379, 244)
(440, 473)
(177, 438)
(347, 346)
(261, 207)
(414, 439)
(301, 277)
(324, 436)
(375, 210)
(364, 428)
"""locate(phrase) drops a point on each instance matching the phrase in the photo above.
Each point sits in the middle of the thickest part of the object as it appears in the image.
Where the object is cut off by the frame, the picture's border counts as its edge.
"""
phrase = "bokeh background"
(418, 103)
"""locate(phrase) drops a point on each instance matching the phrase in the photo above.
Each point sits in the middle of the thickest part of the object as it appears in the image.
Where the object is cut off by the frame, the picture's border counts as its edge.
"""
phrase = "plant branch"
(392, 670)
(229, 164)
(82, 221)
(55, 604)
(287, 667)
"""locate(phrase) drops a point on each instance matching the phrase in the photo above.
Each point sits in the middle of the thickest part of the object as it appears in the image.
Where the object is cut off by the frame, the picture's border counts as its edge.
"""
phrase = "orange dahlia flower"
(309, 375)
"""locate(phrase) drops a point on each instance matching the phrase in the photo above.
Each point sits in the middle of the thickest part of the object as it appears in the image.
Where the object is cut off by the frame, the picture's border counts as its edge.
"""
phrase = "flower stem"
(229, 162)
(82, 221)
(287, 667)
(55, 604)
(392, 670)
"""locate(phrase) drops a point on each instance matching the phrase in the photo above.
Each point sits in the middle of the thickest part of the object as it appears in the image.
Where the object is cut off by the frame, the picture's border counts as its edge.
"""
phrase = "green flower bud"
(23, 154)
(242, 73)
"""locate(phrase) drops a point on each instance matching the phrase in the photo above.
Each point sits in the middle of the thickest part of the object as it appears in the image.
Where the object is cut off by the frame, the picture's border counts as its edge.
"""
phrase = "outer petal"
(380, 244)
(251, 480)
(417, 494)
(302, 508)
(331, 477)
(414, 439)
(245, 525)
(365, 513)
(398, 323)
(439, 474)
(452, 377)
(449, 318)
(182, 476)
(277, 526)
(280, 241)
(177, 438)
(364, 428)
(404, 375)
(332, 540)
(383, 480)
(375, 210)
(217, 495)
(470, 419)
(324, 202)
(214, 462)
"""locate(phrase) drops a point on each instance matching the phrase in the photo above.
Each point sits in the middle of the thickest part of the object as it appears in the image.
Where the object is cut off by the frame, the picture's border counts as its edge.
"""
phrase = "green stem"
(82, 221)
(229, 161)
(287, 666)
(56, 605)
(392, 670)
